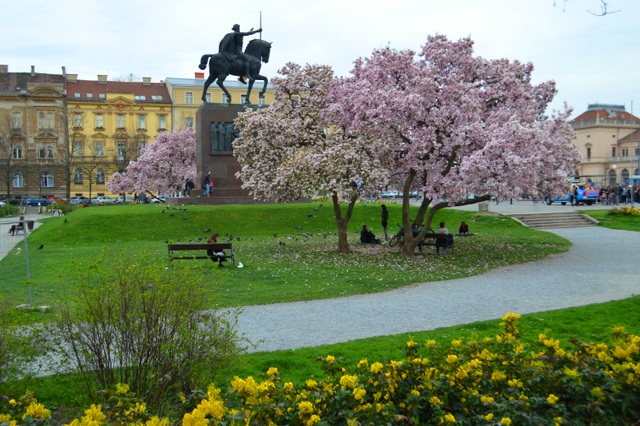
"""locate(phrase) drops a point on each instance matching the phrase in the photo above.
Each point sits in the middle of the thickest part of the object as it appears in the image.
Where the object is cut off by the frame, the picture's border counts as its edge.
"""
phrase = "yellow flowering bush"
(495, 381)
(626, 211)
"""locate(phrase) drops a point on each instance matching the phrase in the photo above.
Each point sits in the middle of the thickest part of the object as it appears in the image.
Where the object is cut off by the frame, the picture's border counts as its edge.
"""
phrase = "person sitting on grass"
(215, 256)
(463, 230)
(367, 237)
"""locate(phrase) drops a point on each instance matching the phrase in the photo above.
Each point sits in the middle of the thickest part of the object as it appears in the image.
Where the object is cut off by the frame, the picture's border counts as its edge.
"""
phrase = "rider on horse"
(232, 43)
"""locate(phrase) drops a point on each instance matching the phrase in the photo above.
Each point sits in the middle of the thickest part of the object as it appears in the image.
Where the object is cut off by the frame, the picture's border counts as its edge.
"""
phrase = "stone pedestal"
(214, 134)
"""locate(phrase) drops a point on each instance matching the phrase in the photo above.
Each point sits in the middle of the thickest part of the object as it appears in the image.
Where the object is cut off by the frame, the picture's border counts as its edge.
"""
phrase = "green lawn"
(298, 263)
(287, 250)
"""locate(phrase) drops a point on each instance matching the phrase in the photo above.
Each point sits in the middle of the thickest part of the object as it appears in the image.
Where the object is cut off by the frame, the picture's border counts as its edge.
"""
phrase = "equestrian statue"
(230, 60)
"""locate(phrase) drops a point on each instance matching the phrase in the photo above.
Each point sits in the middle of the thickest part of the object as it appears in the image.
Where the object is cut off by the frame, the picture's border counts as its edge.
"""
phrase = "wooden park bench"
(444, 241)
(225, 248)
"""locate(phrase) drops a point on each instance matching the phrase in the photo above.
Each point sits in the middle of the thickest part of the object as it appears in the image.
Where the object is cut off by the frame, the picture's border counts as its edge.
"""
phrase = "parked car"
(2, 204)
(390, 194)
(157, 200)
(36, 201)
(125, 199)
(59, 200)
(79, 200)
(102, 199)
(12, 201)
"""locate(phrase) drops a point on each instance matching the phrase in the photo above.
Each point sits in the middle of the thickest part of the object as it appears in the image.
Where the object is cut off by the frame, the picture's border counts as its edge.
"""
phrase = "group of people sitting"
(368, 237)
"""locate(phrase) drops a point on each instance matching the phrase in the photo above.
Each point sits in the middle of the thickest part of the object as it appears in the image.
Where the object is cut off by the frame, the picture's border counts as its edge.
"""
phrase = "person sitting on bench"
(441, 241)
(219, 256)
(17, 227)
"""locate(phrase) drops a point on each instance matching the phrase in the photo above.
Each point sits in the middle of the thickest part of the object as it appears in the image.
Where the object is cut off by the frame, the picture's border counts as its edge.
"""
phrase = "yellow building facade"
(109, 123)
(186, 97)
(608, 140)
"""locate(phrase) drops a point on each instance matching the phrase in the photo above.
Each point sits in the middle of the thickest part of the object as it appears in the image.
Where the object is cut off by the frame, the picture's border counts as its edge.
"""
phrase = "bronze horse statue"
(221, 65)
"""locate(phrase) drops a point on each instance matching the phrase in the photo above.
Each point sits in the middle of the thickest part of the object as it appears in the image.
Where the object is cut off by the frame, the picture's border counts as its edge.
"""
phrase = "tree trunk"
(343, 222)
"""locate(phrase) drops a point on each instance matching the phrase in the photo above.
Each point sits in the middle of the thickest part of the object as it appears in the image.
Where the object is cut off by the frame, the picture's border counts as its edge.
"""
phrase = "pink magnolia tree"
(457, 125)
(290, 150)
(163, 166)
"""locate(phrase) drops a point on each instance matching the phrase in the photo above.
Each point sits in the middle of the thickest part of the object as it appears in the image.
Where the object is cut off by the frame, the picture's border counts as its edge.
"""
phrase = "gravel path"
(600, 267)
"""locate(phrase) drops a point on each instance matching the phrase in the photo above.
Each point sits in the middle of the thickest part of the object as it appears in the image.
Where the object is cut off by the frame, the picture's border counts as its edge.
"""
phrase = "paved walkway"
(600, 266)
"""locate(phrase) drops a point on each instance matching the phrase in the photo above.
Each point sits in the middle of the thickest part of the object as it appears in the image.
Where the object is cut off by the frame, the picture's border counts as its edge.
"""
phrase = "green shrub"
(138, 324)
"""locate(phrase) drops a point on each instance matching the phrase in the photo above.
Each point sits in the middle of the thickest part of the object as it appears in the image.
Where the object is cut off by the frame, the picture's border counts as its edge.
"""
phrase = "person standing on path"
(385, 218)
(207, 184)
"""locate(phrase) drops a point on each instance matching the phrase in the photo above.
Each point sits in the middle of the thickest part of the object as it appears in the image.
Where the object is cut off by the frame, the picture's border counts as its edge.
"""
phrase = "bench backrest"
(200, 246)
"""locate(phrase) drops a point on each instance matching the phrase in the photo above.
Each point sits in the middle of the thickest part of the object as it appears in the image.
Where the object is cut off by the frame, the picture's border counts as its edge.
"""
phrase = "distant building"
(110, 122)
(186, 94)
(32, 134)
(608, 139)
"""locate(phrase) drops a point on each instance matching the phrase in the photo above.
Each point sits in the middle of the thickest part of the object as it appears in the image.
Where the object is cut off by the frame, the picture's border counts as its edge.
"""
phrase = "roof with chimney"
(22, 82)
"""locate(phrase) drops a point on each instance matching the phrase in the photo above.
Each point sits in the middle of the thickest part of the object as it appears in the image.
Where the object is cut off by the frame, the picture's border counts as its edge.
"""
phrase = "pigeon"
(298, 227)
(41, 247)
(199, 239)
(275, 235)
(240, 265)
(65, 220)
(207, 230)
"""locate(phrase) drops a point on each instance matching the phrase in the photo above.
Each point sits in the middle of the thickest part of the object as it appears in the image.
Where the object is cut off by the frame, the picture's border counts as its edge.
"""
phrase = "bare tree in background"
(604, 8)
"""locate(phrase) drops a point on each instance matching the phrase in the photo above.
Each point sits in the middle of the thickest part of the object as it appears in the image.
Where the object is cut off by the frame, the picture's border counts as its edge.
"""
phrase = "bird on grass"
(240, 265)
(207, 230)
(41, 247)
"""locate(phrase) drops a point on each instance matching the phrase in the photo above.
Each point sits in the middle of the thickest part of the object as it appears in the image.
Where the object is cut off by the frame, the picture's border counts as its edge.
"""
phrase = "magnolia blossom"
(163, 166)
(457, 124)
(291, 149)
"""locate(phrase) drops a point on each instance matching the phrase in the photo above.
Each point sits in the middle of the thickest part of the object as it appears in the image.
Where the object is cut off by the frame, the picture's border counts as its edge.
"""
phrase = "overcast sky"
(592, 59)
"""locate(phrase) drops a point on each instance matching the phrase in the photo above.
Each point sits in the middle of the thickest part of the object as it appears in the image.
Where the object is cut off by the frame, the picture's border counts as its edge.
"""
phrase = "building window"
(225, 99)
(120, 121)
(613, 151)
(188, 122)
(156, 97)
(162, 122)
(120, 151)
(89, 95)
(142, 122)
(18, 180)
(207, 97)
(188, 98)
(77, 177)
(624, 176)
(77, 121)
(46, 180)
(45, 150)
(77, 149)
(141, 147)
(16, 120)
(625, 152)
(262, 101)
(588, 152)
(99, 121)
(243, 99)
(99, 176)
(140, 98)
(612, 177)
(99, 149)
(45, 120)
(16, 151)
